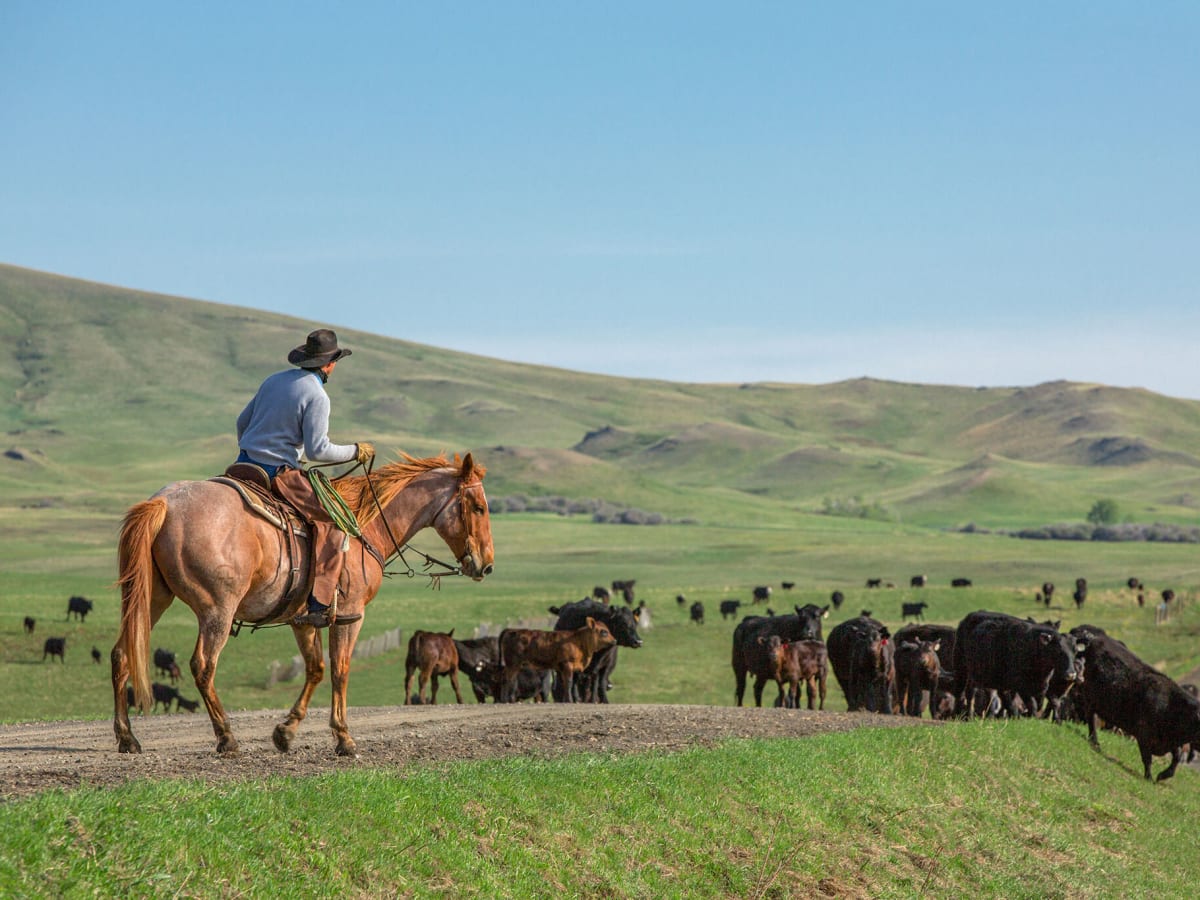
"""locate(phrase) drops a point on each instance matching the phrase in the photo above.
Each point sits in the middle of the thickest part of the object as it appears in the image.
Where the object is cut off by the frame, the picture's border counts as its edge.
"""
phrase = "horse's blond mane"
(388, 480)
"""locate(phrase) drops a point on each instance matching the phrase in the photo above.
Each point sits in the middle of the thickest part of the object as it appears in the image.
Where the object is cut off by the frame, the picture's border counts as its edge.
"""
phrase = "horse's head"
(465, 524)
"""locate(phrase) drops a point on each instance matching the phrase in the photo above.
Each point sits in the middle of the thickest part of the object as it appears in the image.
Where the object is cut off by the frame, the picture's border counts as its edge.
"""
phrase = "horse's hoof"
(282, 738)
(227, 747)
(347, 749)
(131, 746)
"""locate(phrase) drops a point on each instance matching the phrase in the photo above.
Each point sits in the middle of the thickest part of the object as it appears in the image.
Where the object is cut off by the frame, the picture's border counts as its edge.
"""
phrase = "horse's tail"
(142, 524)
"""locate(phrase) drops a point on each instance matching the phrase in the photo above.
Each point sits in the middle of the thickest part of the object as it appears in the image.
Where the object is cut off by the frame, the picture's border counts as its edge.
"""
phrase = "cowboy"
(286, 423)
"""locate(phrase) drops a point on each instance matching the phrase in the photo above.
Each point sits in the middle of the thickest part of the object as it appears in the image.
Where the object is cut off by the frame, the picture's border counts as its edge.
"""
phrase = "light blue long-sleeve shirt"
(288, 421)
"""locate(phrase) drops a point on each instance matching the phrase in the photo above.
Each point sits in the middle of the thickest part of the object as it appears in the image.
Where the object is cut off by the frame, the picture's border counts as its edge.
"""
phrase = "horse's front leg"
(308, 639)
(341, 646)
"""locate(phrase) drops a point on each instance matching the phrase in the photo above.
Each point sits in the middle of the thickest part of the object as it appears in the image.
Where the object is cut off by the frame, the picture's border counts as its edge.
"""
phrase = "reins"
(435, 578)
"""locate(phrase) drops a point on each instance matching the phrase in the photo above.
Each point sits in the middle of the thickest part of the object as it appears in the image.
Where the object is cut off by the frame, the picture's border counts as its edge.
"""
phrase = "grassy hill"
(110, 392)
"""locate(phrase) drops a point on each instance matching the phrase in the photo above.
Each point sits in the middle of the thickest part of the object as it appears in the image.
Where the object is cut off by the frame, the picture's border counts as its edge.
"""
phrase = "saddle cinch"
(254, 485)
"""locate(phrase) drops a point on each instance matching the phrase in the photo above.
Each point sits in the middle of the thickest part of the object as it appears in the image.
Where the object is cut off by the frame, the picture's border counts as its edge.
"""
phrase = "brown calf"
(566, 652)
(433, 654)
(791, 663)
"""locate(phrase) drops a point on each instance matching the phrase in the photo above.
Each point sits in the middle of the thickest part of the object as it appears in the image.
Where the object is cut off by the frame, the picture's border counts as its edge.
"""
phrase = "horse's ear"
(468, 465)
(450, 633)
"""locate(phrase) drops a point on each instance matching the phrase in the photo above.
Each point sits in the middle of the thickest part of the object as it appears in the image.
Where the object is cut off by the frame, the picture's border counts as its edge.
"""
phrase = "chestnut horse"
(196, 540)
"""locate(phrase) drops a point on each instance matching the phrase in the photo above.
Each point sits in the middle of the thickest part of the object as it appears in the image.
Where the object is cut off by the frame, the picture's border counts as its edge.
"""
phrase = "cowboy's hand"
(364, 452)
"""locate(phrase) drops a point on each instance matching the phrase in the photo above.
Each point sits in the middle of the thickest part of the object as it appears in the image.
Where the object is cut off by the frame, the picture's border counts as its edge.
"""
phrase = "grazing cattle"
(837, 598)
(918, 672)
(996, 651)
(874, 582)
(625, 589)
(697, 612)
(787, 585)
(1047, 591)
(568, 653)
(729, 608)
(762, 593)
(1079, 596)
(918, 581)
(960, 582)
(80, 607)
(1168, 595)
(1130, 695)
(29, 623)
(680, 600)
(803, 625)
(621, 621)
(861, 653)
(430, 654)
(96, 655)
(166, 695)
(1135, 584)
(54, 647)
(913, 611)
(163, 660)
(600, 592)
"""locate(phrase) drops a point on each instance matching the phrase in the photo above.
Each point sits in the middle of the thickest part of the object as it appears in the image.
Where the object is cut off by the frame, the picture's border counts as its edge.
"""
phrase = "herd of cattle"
(990, 664)
(164, 660)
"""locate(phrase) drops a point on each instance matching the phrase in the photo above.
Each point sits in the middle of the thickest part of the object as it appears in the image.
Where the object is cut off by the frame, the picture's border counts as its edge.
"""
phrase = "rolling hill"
(110, 392)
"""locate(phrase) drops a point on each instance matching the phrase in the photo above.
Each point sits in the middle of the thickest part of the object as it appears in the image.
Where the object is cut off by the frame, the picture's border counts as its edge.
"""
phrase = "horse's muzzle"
(472, 569)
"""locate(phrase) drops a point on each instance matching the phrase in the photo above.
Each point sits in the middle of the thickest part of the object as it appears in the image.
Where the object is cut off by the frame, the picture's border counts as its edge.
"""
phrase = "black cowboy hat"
(320, 348)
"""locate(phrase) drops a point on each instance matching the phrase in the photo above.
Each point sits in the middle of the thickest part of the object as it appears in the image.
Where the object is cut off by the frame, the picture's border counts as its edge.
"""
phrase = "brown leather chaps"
(293, 486)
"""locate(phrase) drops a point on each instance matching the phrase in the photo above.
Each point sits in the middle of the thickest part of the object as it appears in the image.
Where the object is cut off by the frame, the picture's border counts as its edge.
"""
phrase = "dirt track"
(39, 756)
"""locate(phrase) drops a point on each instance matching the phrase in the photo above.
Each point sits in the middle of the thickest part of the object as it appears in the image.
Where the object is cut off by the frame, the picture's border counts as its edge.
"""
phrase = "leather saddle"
(254, 485)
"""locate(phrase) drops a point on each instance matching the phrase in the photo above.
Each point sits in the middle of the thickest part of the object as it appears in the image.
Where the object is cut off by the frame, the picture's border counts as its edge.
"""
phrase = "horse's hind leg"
(308, 639)
(160, 598)
(214, 632)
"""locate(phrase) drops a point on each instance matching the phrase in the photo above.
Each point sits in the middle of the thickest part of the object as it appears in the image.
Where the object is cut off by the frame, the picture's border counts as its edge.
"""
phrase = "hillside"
(111, 392)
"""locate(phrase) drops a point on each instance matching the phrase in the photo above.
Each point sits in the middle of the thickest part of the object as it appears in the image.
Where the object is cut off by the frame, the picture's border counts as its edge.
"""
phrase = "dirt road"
(39, 756)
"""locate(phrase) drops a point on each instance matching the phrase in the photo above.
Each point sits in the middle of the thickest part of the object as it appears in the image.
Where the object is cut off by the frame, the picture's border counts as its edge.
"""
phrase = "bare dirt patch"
(39, 756)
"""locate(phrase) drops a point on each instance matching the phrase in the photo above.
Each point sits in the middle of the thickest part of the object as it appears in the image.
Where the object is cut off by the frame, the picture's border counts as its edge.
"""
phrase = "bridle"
(399, 550)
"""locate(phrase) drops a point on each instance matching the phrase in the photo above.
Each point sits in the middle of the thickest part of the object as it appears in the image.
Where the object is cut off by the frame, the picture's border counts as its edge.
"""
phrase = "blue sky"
(976, 194)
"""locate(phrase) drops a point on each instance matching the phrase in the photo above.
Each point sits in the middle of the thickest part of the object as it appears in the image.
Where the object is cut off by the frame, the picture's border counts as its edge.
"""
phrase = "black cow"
(696, 611)
(625, 589)
(918, 581)
(621, 621)
(1135, 584)
(1079, 596)
(166, 695)
(96, 655)
(29, 623)
(1145, 704)
(960, 582)
(802, 625)
(787, 585)
(913, 611)
(163, 660)
(874, 582)
(729, 608)
(54, 647)
(1047, 591)
(680, 600)
(479, 660)
(600, 592)
(996, 651)
(837, 598)
(861, 654)
(79, 606)
(762, 593)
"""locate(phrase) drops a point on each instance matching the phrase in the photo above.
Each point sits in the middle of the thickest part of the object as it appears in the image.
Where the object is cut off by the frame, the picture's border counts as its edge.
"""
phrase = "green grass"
(1023, 809)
